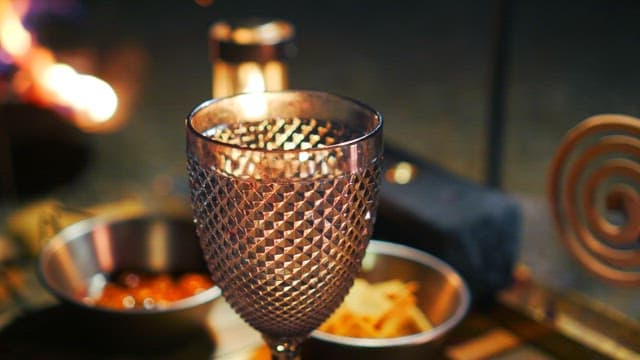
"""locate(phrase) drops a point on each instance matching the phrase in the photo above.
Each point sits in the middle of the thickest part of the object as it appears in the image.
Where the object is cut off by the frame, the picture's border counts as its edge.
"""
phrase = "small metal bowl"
(443, 296)
(86, 253)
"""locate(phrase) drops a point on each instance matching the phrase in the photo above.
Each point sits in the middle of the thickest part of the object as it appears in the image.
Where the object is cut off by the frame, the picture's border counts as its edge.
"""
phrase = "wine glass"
(284, 189)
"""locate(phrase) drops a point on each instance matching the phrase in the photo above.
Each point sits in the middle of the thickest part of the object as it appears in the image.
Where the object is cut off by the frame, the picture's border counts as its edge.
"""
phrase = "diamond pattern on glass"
(283, 134)
(284, 253)
(283, 232)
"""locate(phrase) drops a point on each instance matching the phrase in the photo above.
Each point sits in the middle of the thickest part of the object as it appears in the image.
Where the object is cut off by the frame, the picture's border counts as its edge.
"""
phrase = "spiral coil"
(594, 188)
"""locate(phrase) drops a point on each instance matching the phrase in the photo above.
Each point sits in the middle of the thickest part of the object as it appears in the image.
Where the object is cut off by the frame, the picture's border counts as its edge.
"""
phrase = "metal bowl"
(86, 253)
(443, 296)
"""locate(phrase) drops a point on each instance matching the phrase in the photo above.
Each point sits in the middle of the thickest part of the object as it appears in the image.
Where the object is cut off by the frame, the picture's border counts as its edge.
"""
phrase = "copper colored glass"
(284, 189)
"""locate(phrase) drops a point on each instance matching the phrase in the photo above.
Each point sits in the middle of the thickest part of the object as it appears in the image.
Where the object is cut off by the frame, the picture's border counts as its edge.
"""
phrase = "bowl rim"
(418, 256)
(73, 232)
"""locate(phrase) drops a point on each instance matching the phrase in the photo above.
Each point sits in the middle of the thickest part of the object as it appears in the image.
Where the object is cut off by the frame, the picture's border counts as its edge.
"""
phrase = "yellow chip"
(381, 310)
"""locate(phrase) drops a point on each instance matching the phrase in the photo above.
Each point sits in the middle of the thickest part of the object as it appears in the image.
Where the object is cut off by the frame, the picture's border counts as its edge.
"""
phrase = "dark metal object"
(473, 228)
(497, 93)
(567, 324)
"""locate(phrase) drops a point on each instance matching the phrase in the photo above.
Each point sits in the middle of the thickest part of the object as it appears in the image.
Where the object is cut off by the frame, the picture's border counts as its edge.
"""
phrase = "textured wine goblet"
(284, 189)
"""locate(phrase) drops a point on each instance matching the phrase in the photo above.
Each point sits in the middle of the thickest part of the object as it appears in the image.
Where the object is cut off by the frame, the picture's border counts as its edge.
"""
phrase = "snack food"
(380, 310)
(131, 289)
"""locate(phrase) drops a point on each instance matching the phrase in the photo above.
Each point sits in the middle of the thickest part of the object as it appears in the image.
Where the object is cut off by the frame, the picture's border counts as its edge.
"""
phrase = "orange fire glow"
(15, 39)
(40, 78)
(87, 94)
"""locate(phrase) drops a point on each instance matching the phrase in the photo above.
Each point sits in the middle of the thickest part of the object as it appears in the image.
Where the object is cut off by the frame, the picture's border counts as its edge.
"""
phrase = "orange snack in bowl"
(192, 283)
(132, 289)
(112, 297)
(381, 310)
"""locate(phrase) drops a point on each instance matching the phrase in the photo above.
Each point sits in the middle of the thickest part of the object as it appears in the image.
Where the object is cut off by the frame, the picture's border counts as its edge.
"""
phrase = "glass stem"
(284, 348)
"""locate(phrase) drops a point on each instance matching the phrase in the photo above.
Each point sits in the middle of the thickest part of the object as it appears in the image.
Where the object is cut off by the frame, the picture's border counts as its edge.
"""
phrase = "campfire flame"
(90, 101)
(15, 39)
(87, 94)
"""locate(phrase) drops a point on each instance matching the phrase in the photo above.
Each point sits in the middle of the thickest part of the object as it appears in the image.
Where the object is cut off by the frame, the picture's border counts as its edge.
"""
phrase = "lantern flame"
(252, 80)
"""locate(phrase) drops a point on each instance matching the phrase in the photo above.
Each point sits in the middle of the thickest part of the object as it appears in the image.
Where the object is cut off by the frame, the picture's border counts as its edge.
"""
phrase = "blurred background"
(425, 65)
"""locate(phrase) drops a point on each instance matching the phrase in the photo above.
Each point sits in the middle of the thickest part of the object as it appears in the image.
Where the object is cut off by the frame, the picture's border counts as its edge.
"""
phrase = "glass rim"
(369, 134)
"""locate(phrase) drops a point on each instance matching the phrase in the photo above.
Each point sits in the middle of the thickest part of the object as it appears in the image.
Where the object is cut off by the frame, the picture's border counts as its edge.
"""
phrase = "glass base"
(284, 348)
